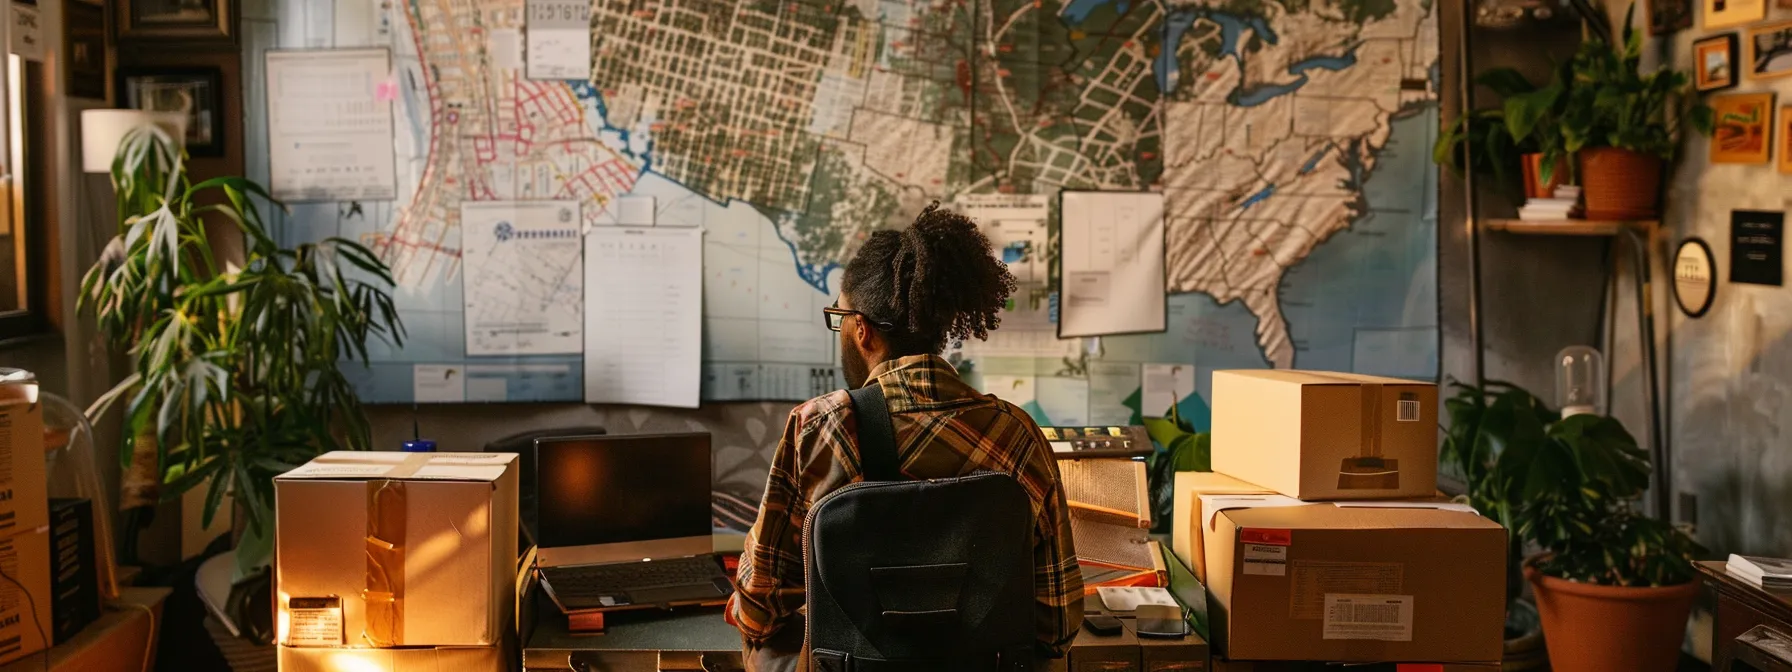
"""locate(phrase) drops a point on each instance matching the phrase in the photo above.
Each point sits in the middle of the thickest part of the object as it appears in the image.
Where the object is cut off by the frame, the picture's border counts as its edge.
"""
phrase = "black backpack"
(918, 575)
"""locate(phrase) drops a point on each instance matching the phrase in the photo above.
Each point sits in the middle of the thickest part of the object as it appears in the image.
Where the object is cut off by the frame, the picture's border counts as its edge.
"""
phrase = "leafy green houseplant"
(1621, 122)
(1487, 139)
(235, 368)
(1613, 586)
(1184, 449)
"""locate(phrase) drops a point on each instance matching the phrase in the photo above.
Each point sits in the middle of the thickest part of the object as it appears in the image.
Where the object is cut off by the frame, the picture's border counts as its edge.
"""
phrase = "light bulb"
(1580, 381)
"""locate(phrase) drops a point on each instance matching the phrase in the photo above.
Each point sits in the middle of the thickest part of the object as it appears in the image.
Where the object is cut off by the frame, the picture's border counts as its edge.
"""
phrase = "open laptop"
(624, 522)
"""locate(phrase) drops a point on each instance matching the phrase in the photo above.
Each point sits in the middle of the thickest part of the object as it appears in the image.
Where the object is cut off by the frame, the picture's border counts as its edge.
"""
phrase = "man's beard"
(852, 363)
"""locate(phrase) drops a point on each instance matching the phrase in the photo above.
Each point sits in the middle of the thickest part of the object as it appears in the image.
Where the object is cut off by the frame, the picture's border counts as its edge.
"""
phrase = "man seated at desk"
(906, 294)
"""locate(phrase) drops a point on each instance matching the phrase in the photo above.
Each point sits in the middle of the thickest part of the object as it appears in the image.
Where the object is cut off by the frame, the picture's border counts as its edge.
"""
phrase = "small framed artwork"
(1770, 51)
(1714, 60)
(197, 92)
(84, 41)
(187, 21)
(1695, 277)
(1744, 128)
(1668, 16)
(1729, 13)
(1786, 140)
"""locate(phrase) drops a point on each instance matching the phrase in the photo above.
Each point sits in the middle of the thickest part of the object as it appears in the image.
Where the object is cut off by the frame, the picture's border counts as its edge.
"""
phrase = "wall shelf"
(1566, 227)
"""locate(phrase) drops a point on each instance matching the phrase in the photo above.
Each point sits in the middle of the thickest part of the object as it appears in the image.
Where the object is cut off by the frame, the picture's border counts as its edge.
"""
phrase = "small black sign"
(1756, 240)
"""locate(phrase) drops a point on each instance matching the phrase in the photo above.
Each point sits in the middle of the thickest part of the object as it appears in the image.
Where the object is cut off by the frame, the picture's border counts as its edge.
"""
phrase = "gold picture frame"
(1769, 51)
(1785, 124)
(182, 21)
(1714, 62)
(1731, 13)
(1744, 128)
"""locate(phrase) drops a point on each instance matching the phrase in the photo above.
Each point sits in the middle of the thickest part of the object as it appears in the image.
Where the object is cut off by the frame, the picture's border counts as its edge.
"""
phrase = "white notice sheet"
(1015, 226)
(522, 280)
(329, 130)
(1113, 263)
(559, 39)
(643, 315)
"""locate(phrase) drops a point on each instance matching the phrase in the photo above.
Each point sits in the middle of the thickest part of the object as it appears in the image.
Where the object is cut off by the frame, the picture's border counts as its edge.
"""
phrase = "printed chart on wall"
(1283, 148)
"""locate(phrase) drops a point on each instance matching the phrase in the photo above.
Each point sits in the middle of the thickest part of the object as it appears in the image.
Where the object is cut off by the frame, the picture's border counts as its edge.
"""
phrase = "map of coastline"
(791, 130)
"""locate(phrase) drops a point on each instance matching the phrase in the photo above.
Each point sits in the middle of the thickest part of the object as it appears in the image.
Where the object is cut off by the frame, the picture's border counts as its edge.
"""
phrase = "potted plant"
(235, 369)
(1483, 424)
(1621, 123)
(1613, 587)
(1488, 137)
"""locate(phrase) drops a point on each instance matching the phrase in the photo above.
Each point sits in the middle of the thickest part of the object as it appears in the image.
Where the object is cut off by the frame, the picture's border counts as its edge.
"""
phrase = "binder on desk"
(1117, 555)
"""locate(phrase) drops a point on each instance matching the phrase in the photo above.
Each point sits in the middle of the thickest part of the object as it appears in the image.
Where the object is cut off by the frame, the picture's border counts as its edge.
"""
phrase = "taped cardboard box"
(397, 549)
(439, 659)
(25, 620)
(24, 495)
(1322, 436)
(1185, 533)
(1126, 652)
(1356, 582)
(1223, 665)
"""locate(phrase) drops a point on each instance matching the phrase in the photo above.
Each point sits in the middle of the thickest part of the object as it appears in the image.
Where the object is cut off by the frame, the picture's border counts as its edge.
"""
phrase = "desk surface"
(692, 629)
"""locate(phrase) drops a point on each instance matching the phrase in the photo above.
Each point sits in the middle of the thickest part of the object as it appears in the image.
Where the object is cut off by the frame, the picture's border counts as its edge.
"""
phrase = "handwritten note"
(643, 315)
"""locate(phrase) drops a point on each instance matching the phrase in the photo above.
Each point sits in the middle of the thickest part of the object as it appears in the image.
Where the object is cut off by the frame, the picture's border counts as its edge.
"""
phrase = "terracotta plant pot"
(1620, 184)
(1534, 184)
(1593, 628)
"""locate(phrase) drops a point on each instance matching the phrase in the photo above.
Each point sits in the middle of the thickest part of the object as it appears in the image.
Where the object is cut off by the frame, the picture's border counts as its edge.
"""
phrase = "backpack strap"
(878, 456)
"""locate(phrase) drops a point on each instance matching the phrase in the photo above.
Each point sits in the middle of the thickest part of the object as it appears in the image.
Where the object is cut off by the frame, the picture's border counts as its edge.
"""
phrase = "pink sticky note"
(386, 90)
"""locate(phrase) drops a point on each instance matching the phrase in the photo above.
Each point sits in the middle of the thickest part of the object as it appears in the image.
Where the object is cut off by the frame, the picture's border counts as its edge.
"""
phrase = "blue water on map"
(1314, 162)
(1261, 94)
(1259, 196)
(1365, 300)
(1077, 10)
(1232, 26)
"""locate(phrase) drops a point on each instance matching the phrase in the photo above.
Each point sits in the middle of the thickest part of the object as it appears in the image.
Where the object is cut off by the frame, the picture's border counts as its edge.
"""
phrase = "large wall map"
(1290, 138)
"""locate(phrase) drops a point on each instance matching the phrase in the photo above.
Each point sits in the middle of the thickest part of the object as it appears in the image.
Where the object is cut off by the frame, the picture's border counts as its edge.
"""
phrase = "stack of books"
(1768, 573)
(1564, 204)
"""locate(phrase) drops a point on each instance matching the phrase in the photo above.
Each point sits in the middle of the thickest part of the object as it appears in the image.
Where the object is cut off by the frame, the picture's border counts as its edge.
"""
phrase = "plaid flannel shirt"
(944, 428)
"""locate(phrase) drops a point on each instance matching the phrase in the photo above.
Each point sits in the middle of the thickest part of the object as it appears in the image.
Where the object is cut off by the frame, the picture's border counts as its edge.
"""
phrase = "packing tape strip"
(383, 594)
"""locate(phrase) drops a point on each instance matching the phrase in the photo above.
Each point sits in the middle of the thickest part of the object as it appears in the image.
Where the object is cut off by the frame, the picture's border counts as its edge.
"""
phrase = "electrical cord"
(30, 602)
(149, 639)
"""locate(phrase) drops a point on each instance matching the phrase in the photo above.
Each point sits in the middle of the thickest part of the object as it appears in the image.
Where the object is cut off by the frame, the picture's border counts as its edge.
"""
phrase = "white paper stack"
(1769, 573)
(1564, 204)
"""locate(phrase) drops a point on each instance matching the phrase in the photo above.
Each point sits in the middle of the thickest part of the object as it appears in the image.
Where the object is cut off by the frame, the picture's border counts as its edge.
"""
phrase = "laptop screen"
(615, 489)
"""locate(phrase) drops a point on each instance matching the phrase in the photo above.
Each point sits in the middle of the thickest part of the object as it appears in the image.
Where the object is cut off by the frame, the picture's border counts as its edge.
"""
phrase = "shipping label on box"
(1321, 435)
(397, 549)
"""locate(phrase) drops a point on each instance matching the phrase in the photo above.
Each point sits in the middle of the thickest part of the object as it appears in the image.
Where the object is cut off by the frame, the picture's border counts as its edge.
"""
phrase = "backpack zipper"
(809, 525)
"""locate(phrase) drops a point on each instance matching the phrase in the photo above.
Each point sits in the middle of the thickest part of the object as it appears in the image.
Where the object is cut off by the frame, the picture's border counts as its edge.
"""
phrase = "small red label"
(1419, 667)
(1258, 535)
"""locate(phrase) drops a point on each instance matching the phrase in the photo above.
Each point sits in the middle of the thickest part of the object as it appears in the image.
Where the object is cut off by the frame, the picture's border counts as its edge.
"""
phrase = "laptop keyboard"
(632, 576)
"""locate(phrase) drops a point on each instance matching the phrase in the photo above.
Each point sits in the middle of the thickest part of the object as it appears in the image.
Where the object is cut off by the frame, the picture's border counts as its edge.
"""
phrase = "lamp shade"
(102, 131)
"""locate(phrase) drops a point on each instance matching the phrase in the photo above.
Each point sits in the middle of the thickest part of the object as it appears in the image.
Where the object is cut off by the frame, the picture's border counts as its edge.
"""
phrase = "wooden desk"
(1762, 619)
(118, 641)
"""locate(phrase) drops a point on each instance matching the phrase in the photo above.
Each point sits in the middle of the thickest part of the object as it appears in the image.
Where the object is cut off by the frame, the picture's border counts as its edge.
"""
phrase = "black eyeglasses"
(836, 316)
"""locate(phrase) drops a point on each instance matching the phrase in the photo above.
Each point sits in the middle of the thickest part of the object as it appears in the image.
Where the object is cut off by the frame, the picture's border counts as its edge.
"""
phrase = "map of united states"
(1260, 120)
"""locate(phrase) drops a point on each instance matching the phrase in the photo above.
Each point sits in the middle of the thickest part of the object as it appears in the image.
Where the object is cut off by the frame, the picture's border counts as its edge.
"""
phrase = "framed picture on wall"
(198, 92)
(1728, 13)
(1770, 51)
(1786, 140)
(84, 44)
(1714, 62)
(1744, 128)
(1668, 16)
(189, 21)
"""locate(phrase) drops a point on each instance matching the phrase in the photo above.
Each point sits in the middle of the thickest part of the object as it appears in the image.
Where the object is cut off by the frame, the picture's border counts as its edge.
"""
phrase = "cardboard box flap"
(1327, 517)
(347, 465)
(1212, 505)
(1440, 504)
(1322, 377)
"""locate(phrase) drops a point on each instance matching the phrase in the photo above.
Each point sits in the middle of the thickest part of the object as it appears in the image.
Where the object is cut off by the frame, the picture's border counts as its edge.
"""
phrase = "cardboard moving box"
(1320, 436)
(1185, 532)
(24, 492)
(443, 659)
(397, 549)
(1222, 665)
(1356, 582)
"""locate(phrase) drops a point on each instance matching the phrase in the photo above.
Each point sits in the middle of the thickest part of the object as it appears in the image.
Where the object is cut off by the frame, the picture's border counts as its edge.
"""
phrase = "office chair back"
(930, 575)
